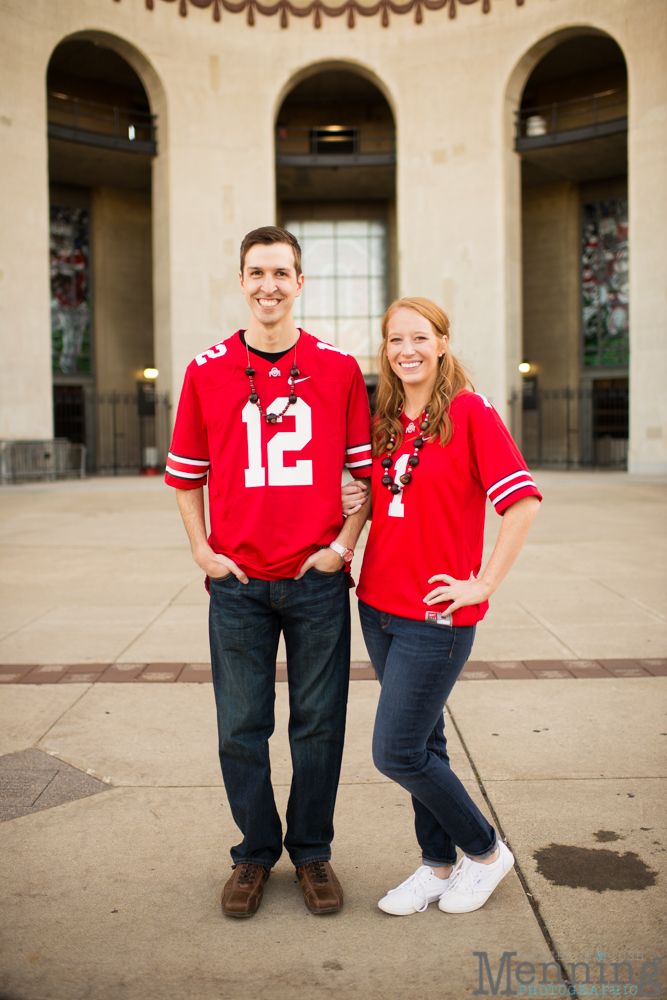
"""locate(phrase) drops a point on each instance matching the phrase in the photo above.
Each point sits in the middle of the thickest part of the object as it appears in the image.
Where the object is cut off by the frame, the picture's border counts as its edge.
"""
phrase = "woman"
(439, 450)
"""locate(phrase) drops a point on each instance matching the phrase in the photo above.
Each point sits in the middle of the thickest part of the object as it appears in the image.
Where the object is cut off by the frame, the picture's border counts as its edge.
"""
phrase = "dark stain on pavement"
(593, 868)
(606, 836)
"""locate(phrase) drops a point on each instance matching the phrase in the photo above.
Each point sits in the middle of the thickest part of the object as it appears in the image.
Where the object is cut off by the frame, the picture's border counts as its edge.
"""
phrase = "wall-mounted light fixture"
(524, 367)
(535, 125)
(150, 373)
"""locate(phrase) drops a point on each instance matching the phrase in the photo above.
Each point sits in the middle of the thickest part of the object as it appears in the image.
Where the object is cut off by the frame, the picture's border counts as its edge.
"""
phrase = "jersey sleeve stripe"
(517, 486)
(359, 465)
(507, 479)
(188, 461)
(185, 475)
(357, 448)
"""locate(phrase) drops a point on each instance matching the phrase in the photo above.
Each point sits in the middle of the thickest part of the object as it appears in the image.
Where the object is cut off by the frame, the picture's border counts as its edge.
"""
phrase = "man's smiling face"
(269, 282)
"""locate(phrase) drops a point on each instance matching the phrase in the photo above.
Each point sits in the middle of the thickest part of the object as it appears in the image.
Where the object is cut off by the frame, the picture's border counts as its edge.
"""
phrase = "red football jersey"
(274, 490)
(436, 524)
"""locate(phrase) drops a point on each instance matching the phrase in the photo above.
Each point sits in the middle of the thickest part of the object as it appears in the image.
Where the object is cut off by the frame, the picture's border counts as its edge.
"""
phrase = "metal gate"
(573, 428)
(133, 431)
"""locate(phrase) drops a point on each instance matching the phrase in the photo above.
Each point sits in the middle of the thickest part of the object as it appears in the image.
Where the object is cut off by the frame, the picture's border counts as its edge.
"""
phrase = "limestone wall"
(551, 279)
(452, 85)
(122, 280)
(647, 198)
(26, 408)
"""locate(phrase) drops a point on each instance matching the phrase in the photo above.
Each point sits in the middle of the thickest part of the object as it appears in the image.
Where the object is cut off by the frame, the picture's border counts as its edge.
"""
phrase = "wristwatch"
(345, 554)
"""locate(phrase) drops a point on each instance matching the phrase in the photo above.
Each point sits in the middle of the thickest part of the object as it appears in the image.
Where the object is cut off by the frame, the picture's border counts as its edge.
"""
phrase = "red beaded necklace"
(272, 418)
(413, 461)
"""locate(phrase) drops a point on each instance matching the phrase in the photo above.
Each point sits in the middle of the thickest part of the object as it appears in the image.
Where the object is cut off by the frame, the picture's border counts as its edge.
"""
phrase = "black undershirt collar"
(267, 355)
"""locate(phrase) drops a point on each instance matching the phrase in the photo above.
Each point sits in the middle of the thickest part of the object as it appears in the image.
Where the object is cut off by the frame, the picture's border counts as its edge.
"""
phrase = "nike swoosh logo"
(304, 379)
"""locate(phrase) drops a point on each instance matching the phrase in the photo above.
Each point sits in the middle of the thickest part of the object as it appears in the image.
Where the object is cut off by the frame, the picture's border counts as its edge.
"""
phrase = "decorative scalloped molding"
(317, 8)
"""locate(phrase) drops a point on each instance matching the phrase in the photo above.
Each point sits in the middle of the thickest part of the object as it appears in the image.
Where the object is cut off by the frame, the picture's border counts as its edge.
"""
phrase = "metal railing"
(23, 461)
(572, 428)
(133, 432)
(581, 112)
(335, 140)
(127, 124)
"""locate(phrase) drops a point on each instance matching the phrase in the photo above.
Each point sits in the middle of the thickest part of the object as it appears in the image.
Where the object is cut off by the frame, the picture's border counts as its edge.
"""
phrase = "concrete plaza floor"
(115, 896)
(100, 571)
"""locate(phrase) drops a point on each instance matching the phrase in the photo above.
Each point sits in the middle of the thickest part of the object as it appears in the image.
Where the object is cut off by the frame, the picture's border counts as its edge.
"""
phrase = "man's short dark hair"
(268, 235)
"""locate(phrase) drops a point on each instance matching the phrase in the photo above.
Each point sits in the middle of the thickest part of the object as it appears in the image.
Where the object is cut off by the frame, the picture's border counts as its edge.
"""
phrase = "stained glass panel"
(605, 283)
(70, 284)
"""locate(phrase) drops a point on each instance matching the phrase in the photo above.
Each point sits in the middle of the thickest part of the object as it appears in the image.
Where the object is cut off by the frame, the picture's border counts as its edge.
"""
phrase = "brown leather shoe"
(322, 892)
(244, 890)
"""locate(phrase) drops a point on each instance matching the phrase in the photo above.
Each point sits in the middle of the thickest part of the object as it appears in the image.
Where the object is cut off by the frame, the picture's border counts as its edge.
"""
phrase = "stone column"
(213, 181)
(455, 169)
(25, 326)
(647, 166)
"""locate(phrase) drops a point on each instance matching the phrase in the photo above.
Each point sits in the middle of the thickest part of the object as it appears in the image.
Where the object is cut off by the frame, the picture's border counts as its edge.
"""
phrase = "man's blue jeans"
(245, 622)
(417, 664)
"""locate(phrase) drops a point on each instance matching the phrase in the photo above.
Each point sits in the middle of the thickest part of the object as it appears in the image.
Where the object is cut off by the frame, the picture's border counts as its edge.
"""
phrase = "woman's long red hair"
(390, 398)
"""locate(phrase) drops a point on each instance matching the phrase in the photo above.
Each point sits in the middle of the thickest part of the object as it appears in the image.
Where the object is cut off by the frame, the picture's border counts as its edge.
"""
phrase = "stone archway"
(569, 112)
(336, 188)
(103, 151)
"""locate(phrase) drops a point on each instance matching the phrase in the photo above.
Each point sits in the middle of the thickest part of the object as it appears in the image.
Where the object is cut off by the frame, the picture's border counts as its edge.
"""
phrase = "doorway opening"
(102, 138)
(336, 191)
(571, 134)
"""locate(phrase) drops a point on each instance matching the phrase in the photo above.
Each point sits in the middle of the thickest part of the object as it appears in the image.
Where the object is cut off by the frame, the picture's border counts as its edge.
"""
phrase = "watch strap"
(345, 554)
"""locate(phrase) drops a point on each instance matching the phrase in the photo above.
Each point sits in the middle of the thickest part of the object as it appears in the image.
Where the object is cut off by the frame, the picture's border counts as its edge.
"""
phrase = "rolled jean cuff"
(438, 864)
(253, 861)
(487, 854)
(298, 862)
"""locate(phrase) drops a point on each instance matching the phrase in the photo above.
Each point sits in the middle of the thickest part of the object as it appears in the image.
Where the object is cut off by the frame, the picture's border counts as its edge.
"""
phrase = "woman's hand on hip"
(462, 593)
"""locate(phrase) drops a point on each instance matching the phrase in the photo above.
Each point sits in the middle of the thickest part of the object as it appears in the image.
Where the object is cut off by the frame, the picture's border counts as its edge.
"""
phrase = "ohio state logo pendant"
(275, 372)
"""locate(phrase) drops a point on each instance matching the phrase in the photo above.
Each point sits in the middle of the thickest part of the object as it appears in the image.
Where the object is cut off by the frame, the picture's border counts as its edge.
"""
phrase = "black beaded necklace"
(272, 418)
(413, 461)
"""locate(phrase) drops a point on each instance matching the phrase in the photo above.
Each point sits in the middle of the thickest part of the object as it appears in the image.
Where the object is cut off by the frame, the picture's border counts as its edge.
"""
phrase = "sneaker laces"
(465, 878)
(416, 882)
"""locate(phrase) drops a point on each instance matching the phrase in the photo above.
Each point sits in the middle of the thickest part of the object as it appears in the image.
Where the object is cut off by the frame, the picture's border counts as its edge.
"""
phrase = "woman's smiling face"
(413, 347)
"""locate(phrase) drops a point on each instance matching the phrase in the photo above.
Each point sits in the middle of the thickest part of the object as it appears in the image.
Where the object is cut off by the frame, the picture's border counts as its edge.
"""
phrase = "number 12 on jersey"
(300, 474)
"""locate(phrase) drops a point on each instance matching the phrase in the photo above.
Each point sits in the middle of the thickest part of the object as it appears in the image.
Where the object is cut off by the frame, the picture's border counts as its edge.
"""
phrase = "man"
(270, 416)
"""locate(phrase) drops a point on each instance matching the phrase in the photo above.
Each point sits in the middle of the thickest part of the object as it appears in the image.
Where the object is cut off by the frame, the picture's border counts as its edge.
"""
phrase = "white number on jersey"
(329, 347)
(300, 474)
(255, 474)
(213, 352)
(396, 508)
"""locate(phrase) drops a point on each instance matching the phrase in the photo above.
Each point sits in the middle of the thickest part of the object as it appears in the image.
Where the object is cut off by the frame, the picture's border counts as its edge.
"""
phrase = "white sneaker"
(471, 883)
(414, 895)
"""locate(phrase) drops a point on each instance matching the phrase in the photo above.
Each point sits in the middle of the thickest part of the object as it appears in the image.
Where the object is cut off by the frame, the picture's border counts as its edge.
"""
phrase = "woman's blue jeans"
(245, 622)
(417, 664)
